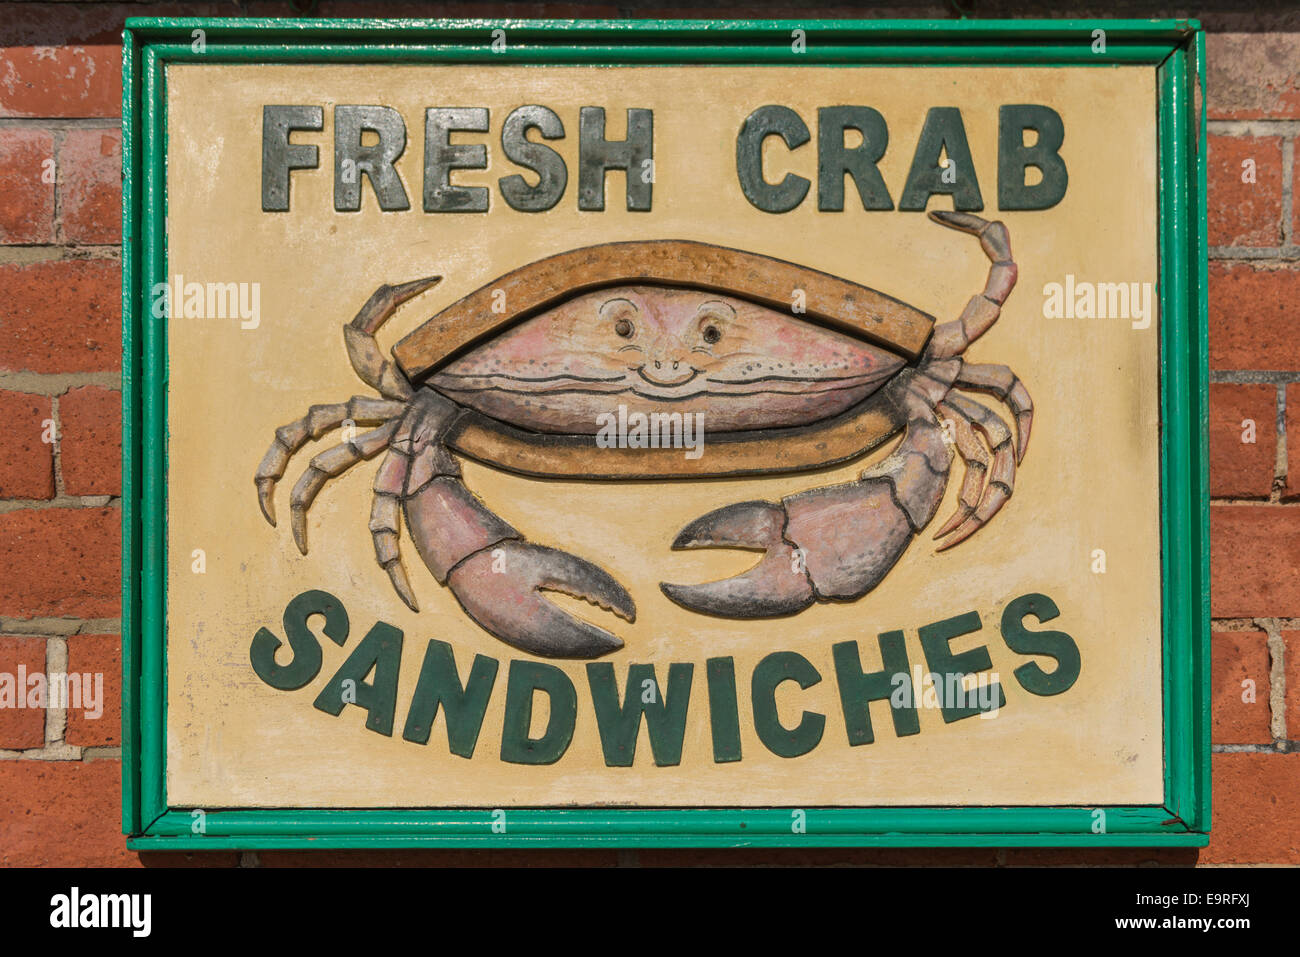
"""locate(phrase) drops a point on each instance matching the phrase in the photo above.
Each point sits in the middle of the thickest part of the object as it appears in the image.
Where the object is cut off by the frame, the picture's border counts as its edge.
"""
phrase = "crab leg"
(494, 573)
(386, 522)
(952, 338)
(1000, 381)
(361, 409)
(329, 464)
(834, 543)
(1001, 474)
(359, 336)
(976, 459)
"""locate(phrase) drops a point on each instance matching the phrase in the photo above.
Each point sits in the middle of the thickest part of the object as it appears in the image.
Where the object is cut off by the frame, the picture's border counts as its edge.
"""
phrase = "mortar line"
(58, 448)
(23, 254)
(63, 501)
(1231, 376)
(57, 383)
(64, 752)
(1259, 127)
(61, 122)
(56, 667)
(101, 752)
(59, 627)
(58, 186)
(1276, 680)
(1254, 253)
(1280, 465)
(1240, 502)
(1288, 197)
(1248, 624)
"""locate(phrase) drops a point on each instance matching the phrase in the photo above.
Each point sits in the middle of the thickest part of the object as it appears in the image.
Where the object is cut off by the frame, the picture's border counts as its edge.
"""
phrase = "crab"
(674, 326)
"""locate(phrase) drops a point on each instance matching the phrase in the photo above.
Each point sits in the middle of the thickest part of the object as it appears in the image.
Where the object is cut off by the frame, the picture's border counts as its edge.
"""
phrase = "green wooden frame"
(1174, 49)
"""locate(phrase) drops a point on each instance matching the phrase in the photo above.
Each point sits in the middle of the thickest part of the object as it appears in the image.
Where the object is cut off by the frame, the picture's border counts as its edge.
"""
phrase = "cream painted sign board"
(1081, 527)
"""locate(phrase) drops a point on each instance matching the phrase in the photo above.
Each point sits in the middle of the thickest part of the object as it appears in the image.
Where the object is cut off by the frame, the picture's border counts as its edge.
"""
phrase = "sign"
(665, 434)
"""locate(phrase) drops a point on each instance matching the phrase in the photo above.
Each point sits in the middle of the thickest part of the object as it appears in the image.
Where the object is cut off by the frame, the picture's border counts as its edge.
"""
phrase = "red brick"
(96, 655)
(1254, 317)
(1295, 178)
(62, 316)
(79, 81)
(91, 450)
(1237, 657)
(60, 562)
(1238, 469)
(62, 814)
(26, 199)
(1240, 213)
(21, 727)
(1292, 488)
(1292, 677)
(27, 467)
(1253, 76)
(1256, 814)
(62, 60)
(1254, 554)
(90, 172)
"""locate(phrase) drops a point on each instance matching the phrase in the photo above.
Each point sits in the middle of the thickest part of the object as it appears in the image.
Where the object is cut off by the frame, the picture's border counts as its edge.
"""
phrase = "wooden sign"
(664, 434)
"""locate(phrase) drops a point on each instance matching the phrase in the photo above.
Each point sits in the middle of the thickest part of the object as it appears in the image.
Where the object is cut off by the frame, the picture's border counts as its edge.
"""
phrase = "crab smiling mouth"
(667, 383)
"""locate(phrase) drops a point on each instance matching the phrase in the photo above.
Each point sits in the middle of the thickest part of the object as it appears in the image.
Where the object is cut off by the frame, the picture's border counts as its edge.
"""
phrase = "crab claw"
(500, 588)
(776, 586)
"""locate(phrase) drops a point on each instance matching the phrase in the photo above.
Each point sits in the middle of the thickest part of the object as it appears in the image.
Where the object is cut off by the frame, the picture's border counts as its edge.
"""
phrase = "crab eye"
(713, 316)
(621, 311)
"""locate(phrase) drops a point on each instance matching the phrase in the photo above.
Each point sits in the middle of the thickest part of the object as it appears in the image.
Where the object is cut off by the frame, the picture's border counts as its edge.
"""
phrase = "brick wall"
(60, 95)
(1254, 234)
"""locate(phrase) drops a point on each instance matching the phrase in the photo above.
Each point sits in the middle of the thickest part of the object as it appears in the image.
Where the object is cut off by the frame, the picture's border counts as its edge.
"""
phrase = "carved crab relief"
(662, 328)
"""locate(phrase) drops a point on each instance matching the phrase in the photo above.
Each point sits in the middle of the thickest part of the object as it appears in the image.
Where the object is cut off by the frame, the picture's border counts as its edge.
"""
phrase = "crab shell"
(892, 331)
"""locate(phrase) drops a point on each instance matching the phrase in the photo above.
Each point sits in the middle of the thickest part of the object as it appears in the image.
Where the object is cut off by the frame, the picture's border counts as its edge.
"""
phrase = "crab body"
(740, 364)
(775, 391)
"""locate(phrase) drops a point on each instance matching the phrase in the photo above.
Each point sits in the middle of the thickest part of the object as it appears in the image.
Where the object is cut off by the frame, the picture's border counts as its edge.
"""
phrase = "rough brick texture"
(1243, 440)
(1253, 84)
(63, 60)
(1256, 810)
(90, 164)
(20, 727)
(26, 186)
(96, 655)
(1254, 314)
(1253, 76)
(1295, 207)
(91, 450)
(61, 316)
(1292, 487)
(1240, 682)
(1245, 184)
(62, 814)
(1254, 557)
(27, 467)
(60, 561)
